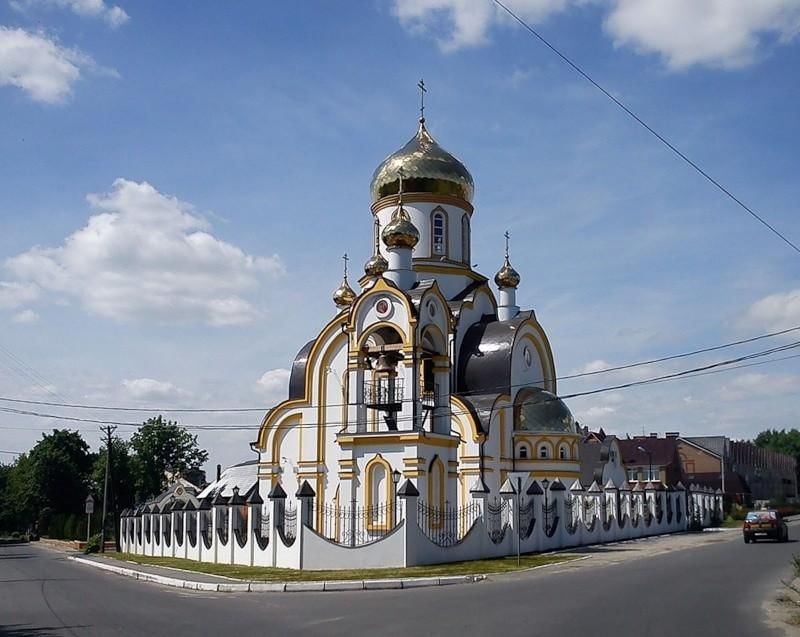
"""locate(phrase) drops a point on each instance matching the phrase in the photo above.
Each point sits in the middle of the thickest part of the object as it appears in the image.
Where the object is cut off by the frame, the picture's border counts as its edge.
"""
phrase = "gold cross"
(422, 91)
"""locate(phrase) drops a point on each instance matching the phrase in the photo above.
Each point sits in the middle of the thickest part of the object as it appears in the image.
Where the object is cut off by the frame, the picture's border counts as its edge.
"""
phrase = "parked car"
(764, 524)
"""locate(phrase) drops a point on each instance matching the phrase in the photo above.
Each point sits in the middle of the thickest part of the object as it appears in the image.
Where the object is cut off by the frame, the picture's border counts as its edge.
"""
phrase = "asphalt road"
(714, 589)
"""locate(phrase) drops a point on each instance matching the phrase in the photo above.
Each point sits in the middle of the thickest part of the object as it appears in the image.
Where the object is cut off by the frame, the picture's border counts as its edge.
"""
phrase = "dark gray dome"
(540, 411)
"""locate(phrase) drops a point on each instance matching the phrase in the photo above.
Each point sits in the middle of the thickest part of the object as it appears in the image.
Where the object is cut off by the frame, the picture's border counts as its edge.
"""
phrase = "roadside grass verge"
(268, 574)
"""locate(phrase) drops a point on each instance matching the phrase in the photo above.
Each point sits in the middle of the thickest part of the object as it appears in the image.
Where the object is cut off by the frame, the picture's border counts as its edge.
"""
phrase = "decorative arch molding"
(441, 339)
(381, 287)
(278, 412)
(541, 444)
(377, 478)
(437, 476)
(374, 327)
(519, 445)
(465, 413)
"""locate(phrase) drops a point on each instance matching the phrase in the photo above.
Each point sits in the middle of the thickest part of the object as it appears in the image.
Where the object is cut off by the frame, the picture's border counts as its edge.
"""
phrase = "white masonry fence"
(301, 534)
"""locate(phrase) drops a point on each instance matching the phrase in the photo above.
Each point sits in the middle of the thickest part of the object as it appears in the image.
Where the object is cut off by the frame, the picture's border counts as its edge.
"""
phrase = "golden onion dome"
(507, 276)
(426, 167)
(400, 232)
(344, 295)
(376, 265)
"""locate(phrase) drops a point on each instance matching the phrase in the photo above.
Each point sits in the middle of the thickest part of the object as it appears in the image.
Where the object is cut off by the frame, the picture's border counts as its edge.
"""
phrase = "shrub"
(738, 512)
(796, 564)
(93, 545)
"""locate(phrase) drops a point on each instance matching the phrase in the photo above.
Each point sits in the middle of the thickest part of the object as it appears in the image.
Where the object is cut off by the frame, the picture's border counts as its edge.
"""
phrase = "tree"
(60, 467)
(161, 445)
(786, 442)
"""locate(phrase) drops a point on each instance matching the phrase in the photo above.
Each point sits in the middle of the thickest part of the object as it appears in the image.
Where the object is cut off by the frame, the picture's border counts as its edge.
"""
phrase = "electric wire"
(649, 128)
(198, 410)
(720, 366)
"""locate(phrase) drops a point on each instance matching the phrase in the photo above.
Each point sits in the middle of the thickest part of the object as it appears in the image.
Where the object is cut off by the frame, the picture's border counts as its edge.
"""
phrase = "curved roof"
(541, 411)
(484, 361)
(297, 378)
(426, 166)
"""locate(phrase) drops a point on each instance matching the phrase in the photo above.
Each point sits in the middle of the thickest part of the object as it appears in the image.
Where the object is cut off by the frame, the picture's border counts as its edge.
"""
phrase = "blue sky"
(180, 180)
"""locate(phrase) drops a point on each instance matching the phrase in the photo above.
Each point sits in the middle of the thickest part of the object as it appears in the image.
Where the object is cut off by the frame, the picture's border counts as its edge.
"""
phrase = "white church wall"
(321, 554)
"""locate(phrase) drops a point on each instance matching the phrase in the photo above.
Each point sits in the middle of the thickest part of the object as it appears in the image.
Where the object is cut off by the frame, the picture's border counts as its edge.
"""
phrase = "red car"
(764, 524)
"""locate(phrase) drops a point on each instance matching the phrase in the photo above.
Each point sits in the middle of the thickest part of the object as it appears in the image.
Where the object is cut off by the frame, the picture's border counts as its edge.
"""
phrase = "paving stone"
(379, 584)
(352, 585)
(296, 587)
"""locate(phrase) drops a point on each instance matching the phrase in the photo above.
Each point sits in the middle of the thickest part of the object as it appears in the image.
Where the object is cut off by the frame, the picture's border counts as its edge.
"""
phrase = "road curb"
(282, 587)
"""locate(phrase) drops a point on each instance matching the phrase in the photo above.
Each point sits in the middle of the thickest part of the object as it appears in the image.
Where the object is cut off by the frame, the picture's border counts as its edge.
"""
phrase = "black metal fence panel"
(355, 525)
(447, 526)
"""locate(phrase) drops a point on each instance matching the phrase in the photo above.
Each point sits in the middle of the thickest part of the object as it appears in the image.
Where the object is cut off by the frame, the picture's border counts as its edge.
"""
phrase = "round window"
(383, 308)
(526, 355)
(431, 309)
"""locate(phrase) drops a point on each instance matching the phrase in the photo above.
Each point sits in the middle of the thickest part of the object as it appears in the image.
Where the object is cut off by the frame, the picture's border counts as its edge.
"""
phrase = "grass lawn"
(730, 523)
(267, 574)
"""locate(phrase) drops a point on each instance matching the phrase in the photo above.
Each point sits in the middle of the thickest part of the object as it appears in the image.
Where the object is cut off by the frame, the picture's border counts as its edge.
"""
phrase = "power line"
(725, 365)
(648, 128)
(705, 350)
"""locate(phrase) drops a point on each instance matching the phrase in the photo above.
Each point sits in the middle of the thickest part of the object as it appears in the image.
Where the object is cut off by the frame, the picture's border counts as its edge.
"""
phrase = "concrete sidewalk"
(192, 580)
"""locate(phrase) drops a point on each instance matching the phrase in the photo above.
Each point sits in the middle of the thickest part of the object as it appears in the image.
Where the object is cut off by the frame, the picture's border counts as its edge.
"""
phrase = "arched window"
(465, 243)
(523, 452)
(563, 452)
(544, 451)
(438, 233)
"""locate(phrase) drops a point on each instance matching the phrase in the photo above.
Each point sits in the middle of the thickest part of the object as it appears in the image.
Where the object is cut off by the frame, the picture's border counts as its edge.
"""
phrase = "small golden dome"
(427, 167)
(344, 296)
(400, 232)
(507, 276)
(376, 265)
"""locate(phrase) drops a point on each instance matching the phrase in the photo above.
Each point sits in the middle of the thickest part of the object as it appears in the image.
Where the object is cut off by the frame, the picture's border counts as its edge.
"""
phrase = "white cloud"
(147, 256)
(596, 413)
(26, 316)
(461, 23)
(151, 389)
(113, 15)
(39, 65)
(593, 366)
(746, 386)
(775, 312)
(12, 294)
(716, 33)
(273, 384)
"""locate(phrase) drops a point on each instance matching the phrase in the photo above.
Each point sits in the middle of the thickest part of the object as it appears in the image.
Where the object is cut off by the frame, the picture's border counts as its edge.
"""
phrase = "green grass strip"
(268, 574)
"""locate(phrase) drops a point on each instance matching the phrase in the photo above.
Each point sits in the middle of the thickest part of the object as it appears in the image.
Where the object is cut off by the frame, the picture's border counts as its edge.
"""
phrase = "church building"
(428, 373)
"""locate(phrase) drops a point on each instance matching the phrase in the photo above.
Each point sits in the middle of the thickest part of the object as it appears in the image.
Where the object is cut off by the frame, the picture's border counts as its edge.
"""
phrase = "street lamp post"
(545, 485)
(395, 481)
(649, 461)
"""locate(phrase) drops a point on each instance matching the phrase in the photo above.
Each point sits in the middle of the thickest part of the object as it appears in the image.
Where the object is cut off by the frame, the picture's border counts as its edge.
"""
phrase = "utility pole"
(108, 430)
